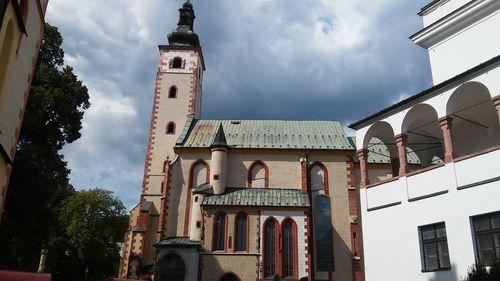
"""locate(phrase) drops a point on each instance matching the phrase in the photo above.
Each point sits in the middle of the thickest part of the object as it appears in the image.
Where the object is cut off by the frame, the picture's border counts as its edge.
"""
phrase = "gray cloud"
(266, 59)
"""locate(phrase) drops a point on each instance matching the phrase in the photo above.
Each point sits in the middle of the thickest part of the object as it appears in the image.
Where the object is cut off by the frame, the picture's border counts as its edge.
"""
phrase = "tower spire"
(184, 34)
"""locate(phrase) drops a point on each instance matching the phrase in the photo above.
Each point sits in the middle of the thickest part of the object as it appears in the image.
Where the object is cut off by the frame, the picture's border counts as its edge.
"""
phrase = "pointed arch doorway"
(173, 268)
(229, 277)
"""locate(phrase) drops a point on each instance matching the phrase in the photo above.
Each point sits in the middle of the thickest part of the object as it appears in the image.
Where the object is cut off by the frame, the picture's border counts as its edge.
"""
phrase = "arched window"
(172, 92)
(170, 128)
(318, 175)
(288, 253)
(258, 175)
(219, 232)
(177, 63)
(198, 174)
(171, 268)
(270, 249)
(323, 233)
(475, 124)
(240, 241)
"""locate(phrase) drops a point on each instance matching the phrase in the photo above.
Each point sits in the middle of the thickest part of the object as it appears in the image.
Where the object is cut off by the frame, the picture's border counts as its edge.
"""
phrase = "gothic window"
(288, 252)
(241, 232)
(323, 233)
(258, 175)
(219, 232)
(319, 177)
(171, 128)
(270, 235)
(177, 63)
(198, 174)
(172, 93)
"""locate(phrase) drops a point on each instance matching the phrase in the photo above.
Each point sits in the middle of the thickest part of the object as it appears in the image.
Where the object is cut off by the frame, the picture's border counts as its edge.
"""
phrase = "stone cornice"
(456, 21)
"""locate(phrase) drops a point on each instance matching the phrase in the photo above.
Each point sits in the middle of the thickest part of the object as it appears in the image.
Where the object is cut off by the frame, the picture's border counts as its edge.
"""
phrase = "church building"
(238, 199)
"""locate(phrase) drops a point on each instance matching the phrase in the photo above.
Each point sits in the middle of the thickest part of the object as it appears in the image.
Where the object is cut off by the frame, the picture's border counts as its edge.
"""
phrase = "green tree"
(94, 223)
(39, 181)
(479, 272)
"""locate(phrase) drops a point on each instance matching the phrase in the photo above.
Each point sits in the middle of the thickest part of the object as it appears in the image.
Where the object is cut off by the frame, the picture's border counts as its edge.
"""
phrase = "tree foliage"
(481, 273)
(94, 222)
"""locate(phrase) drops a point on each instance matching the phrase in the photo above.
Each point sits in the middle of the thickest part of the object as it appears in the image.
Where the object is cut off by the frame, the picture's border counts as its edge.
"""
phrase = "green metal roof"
(271, 134)
(177, 241)
(264, 197)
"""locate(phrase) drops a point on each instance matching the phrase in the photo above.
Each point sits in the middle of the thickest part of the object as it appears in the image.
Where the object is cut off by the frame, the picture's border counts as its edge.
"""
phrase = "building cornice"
(454, 22)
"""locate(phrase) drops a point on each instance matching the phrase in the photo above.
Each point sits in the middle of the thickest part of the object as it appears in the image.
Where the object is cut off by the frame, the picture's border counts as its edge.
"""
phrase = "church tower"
(177, 97)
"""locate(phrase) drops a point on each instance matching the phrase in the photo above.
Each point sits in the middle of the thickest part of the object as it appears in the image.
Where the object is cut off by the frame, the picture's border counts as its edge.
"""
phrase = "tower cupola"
(184, 34)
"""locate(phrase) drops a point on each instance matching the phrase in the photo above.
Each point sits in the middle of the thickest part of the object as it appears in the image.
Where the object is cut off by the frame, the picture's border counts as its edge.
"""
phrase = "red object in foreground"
(6, 275)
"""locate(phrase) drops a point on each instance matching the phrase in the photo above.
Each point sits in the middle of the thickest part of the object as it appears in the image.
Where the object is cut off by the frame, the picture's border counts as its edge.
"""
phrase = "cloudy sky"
(266, 59)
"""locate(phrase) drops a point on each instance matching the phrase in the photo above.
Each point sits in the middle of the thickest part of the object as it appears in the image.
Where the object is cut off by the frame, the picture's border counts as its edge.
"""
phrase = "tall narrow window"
(324, 233)
(288, 251)
(270, 230)
(177, 63)
(172, 92)
(487, 230)
(219, 232)
(198, 174)
(241, 232)
(171, 128)
(434, 247)
(258, 175)
(318, 175)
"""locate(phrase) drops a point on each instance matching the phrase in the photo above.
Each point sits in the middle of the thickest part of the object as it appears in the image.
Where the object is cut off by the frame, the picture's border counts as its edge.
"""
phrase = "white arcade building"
(433, 220)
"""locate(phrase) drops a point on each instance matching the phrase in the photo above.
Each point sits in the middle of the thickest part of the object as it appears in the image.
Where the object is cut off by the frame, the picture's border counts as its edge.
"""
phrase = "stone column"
(363, 166)
(496, 103)
(401, 140)
(446, 123)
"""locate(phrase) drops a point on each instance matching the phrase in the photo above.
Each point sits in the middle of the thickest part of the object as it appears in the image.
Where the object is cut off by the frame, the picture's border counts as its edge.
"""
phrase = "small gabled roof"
(262, 197)
(177, 242)
(146, 205)
(220, 138)
(265, 134)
